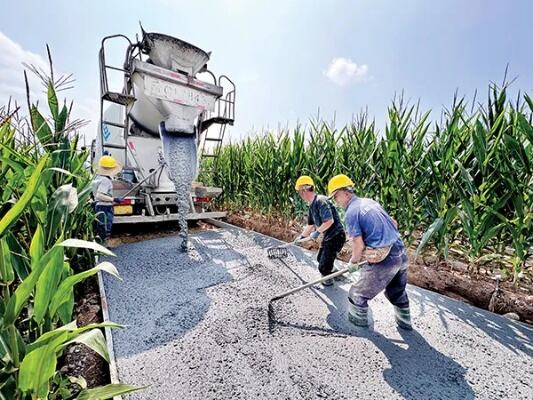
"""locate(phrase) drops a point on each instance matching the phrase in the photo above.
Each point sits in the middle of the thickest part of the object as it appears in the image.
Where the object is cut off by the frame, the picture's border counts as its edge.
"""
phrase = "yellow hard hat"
(107, 162)
(338, 182)
(108, 166)
(302, 181)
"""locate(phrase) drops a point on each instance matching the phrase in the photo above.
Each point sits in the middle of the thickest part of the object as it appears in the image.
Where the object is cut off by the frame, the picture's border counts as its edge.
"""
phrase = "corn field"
(462, 184)
(46, 248)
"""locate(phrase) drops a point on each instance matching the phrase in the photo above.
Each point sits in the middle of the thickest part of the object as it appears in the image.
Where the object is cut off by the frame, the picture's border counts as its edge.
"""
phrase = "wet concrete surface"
(198, 328)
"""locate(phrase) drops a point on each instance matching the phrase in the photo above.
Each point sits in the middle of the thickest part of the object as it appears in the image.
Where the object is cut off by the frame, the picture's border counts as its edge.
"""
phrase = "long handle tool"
(271, 316)
(279, 252)
(309, 284)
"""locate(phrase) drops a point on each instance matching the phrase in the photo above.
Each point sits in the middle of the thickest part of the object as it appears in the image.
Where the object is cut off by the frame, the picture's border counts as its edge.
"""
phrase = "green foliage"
(45, 236)
(466, 181)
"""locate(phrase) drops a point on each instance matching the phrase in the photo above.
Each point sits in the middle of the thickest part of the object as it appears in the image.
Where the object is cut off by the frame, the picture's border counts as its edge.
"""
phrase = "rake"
(280, 252)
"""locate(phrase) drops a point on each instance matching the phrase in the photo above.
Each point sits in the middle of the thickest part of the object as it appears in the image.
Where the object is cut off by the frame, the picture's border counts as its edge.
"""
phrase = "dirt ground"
(449, 278)
(79, 360)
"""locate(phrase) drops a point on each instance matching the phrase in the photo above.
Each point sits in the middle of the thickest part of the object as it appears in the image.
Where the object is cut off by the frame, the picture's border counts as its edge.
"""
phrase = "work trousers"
(389, 275)
(328, 253)
(104, 221)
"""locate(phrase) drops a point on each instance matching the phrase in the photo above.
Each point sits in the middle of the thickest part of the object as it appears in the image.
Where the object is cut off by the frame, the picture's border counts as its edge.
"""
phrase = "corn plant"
(46, 248)
(464, 182)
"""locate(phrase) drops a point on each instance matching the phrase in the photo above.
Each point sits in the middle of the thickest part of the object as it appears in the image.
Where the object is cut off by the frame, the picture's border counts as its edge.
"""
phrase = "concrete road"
(198, 328)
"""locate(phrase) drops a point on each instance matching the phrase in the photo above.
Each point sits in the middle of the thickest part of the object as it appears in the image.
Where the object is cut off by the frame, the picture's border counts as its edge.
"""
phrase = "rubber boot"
(403, 317)
(357, 315)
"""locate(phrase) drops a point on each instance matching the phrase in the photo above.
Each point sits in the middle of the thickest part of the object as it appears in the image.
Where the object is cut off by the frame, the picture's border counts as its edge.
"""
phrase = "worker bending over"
(322, 219)
(374, 237)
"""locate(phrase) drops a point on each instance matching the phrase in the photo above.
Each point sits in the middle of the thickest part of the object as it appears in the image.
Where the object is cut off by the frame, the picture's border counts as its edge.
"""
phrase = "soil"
(450, 278)
(79, 360)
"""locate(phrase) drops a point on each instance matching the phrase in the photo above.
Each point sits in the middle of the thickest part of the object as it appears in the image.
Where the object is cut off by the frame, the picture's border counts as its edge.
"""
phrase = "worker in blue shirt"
(375, 238)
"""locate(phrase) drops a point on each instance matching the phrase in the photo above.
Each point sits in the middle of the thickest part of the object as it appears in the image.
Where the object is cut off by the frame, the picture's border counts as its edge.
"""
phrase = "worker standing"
(374, 237)
(322, 219)
(108, 167)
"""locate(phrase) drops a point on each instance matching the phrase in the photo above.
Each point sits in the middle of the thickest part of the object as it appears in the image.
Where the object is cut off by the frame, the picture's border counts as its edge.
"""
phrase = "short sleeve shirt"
(102, 184)
(322, 210)
(367, 218)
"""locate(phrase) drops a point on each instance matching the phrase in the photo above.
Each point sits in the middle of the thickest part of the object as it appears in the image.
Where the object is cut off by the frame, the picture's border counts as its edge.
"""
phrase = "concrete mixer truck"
(170, 112)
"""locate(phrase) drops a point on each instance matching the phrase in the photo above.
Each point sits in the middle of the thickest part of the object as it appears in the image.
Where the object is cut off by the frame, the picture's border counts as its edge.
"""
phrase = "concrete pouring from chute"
(171, 112)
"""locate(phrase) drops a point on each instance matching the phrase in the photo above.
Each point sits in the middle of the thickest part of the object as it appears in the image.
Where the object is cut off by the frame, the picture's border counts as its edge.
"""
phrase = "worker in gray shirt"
(322, 219)
(108, 167)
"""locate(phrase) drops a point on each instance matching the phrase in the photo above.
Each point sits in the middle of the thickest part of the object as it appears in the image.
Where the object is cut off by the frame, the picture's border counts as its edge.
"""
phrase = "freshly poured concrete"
(198, 328)
(180, 153)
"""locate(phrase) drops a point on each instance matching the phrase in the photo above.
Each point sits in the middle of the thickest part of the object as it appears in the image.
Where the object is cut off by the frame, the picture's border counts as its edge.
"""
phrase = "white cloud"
(12, 57)
(343, 71)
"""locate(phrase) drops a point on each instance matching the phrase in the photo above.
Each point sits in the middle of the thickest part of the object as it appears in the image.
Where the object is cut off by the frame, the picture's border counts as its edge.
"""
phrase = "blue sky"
(290, 57)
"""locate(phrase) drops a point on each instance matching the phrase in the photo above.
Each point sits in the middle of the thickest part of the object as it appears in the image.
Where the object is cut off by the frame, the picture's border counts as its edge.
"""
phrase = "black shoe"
(341, 278)
(327, 282)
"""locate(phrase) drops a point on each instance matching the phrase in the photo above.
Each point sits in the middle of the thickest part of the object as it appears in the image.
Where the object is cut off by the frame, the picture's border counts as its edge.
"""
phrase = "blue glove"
(118, 200)
(314, 235)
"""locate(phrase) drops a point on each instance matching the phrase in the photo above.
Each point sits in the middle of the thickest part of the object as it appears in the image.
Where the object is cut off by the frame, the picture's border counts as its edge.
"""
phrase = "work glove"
(118, 200)
(353, 267)
(314, 235)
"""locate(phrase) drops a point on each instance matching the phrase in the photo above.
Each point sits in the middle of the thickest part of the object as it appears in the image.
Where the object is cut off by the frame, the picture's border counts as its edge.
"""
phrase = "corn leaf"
(432, 230)
(84, 244)
(93, 339)
(7, 275)
(31, 188)
(37, 245)
(107, 392)
(40, 127)
(52, 101)
(38, 367)
(61, 295)
(47, 285)
(25, 289)
(61, 119)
